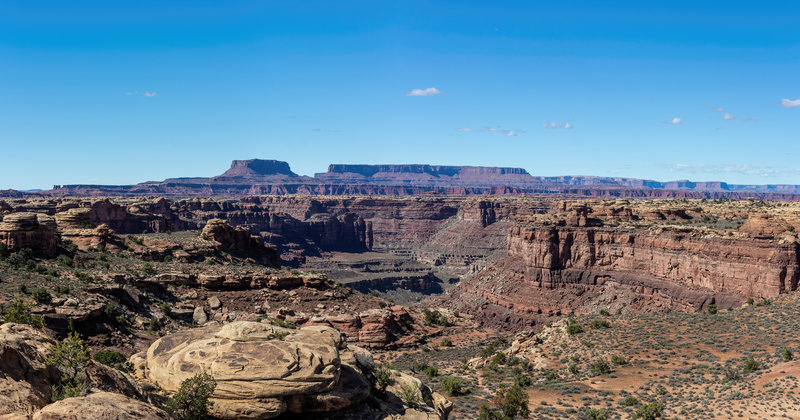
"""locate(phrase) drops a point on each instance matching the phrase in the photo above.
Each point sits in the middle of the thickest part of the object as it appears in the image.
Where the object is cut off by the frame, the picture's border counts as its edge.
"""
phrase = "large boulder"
(261, 370)
(36, 231)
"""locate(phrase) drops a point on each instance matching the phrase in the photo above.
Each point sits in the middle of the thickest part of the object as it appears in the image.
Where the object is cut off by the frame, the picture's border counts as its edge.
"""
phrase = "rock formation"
(239, 241)
(36, 231)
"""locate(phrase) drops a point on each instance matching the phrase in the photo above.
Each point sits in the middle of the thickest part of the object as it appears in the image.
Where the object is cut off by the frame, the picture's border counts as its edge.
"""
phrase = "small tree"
(112, 359)
(71, 357)
(383, 378)
(599, 367)
(573, 329)
(751, 364)
(787, 355)
(593, 414)
(712, 308)
(192, 402)
(513, 401)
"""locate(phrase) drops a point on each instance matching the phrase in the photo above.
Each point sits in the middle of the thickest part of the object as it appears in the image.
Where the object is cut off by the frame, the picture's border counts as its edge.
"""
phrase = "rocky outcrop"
(261, 370)
(375, 328)
(36, 231)
(26, 382)
(100, 406)
(239, 241)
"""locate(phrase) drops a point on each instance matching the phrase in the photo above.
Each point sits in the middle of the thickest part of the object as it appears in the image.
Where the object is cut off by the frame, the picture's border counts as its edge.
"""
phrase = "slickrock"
(100, 406)
(261, 370)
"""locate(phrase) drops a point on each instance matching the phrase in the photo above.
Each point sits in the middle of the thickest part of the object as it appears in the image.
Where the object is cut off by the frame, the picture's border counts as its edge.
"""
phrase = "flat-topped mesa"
(257, 168)
(419, 174)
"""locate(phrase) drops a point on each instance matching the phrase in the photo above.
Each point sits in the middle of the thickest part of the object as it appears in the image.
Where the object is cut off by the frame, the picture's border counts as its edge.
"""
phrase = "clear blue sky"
(121, 92)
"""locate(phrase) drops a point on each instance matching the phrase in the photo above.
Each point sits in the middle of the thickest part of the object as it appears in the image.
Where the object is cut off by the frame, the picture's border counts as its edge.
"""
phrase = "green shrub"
(409, 393)
(155, 324)
(649, 411)
(446, 342)
(618, 360)
(552, 376)
(599, 367)
(573, 368)
(485, 413)
(148, 270)
(750, 365)
(523, 381)
(593, 414)
(65, 261)
(113, 359)
(513, 401)
(41, 296)
(166, 309)
(4, 252)
(712, 308)
(434, 318)
(61, 290)
(284, 323)
(764, 302)
(382, 376)
(191, 402)
(787, 355)
(573, 329)
(71, 357)
(20, 313)
(451, 386)
(600, 324)
(630, 401)
(499, 359)
(604, 312)
(431, 371)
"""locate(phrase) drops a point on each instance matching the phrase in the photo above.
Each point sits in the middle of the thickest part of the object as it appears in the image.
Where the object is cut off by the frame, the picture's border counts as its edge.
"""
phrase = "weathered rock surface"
(239, 241)
(261, 370)
(36, 231)
(100, 406)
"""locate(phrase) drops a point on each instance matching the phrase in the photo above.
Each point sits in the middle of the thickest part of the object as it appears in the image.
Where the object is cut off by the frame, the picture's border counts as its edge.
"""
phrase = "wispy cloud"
(788, 103)
(763, 171)
(555, 125)
(498, 130)
(147, 93)
(730, 117)
(674, 121)
(431, 91)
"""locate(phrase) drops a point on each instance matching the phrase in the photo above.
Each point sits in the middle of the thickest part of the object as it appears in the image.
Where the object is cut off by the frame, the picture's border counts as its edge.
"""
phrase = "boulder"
(261, 370)
(199, 316)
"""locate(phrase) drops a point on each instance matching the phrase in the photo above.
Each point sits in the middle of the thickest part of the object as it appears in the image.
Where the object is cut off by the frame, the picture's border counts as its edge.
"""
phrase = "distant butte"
(274, 177)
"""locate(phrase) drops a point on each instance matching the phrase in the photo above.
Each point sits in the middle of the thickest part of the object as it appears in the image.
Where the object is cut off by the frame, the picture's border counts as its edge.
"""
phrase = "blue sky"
(129, 91)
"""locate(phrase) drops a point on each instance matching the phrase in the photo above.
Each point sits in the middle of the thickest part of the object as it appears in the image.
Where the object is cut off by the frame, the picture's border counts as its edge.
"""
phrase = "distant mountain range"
(261, 177)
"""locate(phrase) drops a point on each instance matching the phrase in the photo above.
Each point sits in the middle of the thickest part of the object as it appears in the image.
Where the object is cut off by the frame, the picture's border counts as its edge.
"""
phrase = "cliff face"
(744, 267)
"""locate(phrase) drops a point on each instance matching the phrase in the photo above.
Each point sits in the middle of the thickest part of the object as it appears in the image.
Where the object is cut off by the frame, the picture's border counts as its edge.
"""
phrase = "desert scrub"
(599, 367)
(574, 328)
(513, 401)
(434, 317)
(750, 365)
(112, 359)
(446, 342)
(409, 394)
(599, 324)
(71, 358)
(41, 296)
(712, 308)
(593, 414)
(649, 411)
(284, 323)
(191, 402)
(382, 378)
(618, 360)
(452, 386)
(630, 401)
(20, 313)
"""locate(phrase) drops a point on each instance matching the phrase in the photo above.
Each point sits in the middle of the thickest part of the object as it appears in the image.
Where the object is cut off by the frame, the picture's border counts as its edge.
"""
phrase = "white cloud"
(730, 117)
(763, 171)
(431, 91)
(554, 125)
(150, 94)
(674, 121)
(498, 130)
(788, 103)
